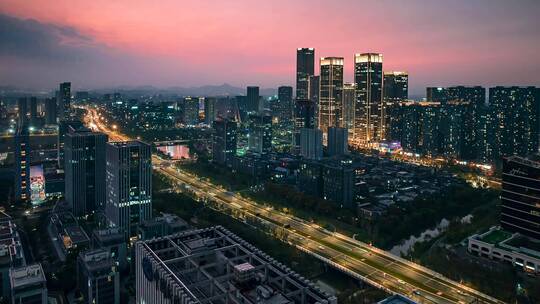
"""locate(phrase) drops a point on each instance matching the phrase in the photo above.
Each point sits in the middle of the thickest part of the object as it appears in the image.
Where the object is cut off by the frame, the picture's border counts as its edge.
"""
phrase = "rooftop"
(27, 275)
(212, 264)
(397, 299)
(495, 236)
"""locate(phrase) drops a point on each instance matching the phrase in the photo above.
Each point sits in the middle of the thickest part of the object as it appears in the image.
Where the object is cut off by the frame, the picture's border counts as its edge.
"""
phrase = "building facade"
(129, 184)
(305, 67)
(330, 94)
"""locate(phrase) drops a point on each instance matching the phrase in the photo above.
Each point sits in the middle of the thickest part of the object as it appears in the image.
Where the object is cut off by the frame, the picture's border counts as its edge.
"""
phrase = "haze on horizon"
(97, 44)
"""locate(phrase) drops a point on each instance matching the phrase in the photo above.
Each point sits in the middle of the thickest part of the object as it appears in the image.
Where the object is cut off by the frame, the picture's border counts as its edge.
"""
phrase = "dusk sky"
(97, 44)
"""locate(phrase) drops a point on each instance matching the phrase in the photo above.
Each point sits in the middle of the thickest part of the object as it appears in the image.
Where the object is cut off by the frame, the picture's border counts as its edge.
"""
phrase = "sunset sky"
(98, 43)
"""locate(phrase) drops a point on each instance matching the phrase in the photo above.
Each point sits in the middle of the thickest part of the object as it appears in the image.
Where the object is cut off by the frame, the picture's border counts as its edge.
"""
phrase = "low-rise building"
(161, 225)
(500, 245)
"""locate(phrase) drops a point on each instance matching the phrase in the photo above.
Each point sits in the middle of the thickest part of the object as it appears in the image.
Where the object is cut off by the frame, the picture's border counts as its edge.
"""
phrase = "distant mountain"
(207, 90)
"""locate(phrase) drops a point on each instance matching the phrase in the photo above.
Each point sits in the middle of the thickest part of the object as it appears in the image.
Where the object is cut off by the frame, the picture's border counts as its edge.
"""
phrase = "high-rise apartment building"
(210, 110)
(305, 67)
(224, 141)
(369, 113)
(129, 184)
(330, 94)
(84, 153)
(515, 119)
(395, 91)
(520, 210)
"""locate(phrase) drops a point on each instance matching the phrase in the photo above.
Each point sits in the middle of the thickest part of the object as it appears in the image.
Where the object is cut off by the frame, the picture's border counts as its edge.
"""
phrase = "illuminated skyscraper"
(284, 109)
(305, 67)
(129, 184)
(369, 113)
(224, 141)
(349, 100)
(191, 111)
(331, 94)
(84, 168)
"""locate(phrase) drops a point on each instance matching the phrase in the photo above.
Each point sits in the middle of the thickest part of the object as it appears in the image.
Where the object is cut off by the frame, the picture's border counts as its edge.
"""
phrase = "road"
(360, 260)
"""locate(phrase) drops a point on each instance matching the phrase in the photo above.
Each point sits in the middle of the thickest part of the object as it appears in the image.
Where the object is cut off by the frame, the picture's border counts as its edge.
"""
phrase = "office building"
(66, 234)
(340, 181)
(515, 119)
(369, 113)
(112, 240)
(283, 108)
(98, 278)
(22, 164)
(129, 184)
(260, 134)
(64, 100)
(28, 285)
(330, 94)
(161, 226)
(64, 127)
(314, 90)
(50, 111)
(305, 67)
(253, 100)
(190, 111)
(337, 141)
(210, 110)
(311, 146)
(349, 101)
(224, 141)
(214, 265)
(84, 169)
(520, 211)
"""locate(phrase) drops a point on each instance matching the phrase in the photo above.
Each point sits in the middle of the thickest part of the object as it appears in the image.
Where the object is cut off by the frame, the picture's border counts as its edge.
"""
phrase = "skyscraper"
(22, 164)
(305, 67)
(224, 141)
(396, 86)
(337, 141)
(191, 111)
(314, 90)
(260, 134)
(64, 100)
(349, 100)
(50, 111)
(253, 99)
(85, 171)
(331, 94)
(284, 109)
(129, 184)
(520, 211)
(65, 127)
(210, 110)
(369, 112)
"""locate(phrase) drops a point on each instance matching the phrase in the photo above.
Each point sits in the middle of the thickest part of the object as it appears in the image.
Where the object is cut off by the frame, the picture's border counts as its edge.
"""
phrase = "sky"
(96, 44)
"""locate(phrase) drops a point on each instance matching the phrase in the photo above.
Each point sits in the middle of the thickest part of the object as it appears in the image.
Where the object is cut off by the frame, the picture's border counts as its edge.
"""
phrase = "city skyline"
(159, 46)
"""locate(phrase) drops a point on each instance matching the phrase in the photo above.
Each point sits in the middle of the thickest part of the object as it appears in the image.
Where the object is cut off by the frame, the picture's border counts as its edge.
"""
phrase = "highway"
(358, 259)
